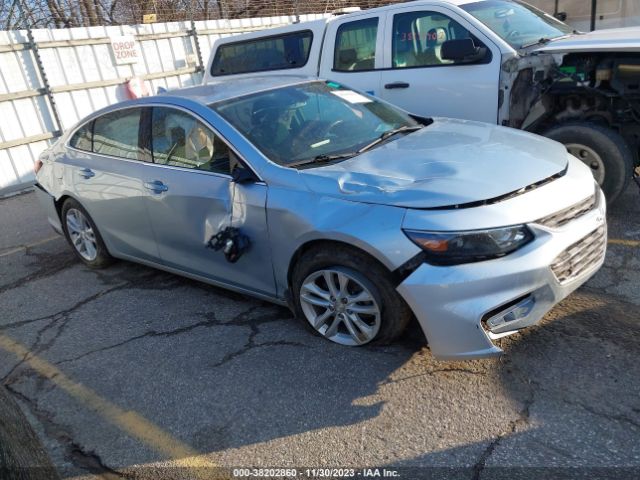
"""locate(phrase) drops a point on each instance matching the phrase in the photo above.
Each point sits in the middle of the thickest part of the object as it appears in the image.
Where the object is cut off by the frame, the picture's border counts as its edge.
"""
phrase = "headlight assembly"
(453, 248)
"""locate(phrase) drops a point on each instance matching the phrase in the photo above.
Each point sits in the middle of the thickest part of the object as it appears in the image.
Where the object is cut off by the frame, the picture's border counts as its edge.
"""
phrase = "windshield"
(517, 23)
(310, 120)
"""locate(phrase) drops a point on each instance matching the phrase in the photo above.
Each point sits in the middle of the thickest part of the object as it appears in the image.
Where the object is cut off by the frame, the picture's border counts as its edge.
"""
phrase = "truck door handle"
(156, 186)
(391, 86)
(86, 173)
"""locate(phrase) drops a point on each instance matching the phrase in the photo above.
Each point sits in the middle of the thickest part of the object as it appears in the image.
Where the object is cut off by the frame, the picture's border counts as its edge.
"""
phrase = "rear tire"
(83, 235)
(381, 315)
(602, 149)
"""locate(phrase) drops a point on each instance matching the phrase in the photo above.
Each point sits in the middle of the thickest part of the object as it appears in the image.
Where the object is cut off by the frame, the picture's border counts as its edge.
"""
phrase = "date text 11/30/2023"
(314, 473)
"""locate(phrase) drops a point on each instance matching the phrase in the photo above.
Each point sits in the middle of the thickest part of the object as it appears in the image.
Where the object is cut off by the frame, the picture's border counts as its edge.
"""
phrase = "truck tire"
(602, 149)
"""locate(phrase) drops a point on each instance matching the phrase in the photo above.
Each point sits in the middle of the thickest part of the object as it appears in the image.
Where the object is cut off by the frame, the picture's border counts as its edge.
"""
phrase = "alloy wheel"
(82, 236)
(340, 306)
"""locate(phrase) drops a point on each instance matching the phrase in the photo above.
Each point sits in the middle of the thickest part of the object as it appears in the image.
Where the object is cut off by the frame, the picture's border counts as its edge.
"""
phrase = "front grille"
(563, 217)
(580, 257)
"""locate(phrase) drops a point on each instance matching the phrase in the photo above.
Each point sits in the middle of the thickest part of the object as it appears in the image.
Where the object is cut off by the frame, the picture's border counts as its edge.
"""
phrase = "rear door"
(416, 77)
(107, 165)
(352, 52)
(191, 198)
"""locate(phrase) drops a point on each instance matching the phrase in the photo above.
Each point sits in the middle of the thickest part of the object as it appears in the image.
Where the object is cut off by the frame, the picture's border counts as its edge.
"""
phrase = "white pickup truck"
(497, 61)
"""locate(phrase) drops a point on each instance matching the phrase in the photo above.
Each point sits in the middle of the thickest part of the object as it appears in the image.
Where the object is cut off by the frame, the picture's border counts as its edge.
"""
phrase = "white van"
(497, 61)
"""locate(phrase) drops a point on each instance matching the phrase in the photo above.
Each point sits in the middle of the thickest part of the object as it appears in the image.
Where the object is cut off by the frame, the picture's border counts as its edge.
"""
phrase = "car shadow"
(574, 383)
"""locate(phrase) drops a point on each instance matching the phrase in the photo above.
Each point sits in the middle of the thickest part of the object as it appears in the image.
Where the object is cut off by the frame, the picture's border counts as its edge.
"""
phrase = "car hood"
(608, 40)
(448, 163)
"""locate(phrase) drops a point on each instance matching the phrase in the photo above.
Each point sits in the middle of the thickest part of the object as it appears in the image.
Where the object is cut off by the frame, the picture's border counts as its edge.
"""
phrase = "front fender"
(296, 218)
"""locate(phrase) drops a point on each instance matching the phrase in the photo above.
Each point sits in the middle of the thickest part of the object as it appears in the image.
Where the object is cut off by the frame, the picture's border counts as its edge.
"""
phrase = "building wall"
(609, 13)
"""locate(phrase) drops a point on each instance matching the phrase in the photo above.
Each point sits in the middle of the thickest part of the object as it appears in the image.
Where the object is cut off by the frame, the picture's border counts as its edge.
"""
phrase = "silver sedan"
(355, 214)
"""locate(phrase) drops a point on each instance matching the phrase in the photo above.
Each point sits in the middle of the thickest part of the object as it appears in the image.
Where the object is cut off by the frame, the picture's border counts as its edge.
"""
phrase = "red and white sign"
(125, 49)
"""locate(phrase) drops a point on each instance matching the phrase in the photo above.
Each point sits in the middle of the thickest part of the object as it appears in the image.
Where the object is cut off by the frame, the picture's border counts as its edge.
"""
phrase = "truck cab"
(495, 61)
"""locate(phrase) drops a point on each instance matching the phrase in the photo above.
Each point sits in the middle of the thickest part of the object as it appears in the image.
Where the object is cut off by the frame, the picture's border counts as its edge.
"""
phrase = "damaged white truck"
(497, 61)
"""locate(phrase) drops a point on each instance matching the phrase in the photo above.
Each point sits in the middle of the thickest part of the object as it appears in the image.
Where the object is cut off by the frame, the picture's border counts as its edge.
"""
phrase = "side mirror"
(562, 16)
(462, 51)
(242, 174)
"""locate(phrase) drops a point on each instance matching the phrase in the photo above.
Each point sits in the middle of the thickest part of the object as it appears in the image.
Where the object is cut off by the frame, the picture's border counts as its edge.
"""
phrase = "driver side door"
(417, 79)
(191, 198)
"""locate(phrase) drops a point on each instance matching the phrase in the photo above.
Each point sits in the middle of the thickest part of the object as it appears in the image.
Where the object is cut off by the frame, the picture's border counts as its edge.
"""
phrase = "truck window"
(418, 38)
(356, 45)
(290, 50)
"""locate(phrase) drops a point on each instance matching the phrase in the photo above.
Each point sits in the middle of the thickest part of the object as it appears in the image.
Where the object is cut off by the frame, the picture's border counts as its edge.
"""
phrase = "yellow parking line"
(31, 245)
(626, 243)
(131, 422)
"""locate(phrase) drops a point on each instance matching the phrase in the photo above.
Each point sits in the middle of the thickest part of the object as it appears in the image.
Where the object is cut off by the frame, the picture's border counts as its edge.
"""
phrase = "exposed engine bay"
(545, 89)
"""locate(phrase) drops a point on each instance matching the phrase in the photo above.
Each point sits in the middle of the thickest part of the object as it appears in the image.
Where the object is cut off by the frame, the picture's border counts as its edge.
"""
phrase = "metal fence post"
(43, 76)
(196, 41)
(295, 11)
(594, 10)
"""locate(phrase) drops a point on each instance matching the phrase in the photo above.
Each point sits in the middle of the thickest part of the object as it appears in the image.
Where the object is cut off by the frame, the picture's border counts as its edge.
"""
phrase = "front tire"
(347, 297)
(602, 149)
(83, 235)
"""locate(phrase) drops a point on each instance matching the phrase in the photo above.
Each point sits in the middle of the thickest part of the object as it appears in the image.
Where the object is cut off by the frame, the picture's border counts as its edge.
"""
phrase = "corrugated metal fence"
(51, 78)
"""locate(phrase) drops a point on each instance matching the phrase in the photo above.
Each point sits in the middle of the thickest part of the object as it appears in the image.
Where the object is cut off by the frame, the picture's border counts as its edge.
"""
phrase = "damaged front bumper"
(463, 308)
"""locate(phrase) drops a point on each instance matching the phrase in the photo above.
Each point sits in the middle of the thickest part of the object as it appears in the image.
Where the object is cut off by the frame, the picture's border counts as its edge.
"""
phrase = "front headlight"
(453, 248)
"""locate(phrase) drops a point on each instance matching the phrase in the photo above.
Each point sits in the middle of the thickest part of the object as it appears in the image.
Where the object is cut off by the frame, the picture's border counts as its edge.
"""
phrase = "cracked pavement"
(241, 383)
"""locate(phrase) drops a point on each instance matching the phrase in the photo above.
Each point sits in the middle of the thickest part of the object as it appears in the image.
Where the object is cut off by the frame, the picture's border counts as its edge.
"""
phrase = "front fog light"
(516, 312)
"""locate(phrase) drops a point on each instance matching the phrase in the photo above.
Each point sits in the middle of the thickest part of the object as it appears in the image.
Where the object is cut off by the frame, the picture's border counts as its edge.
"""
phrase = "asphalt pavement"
(130, 371)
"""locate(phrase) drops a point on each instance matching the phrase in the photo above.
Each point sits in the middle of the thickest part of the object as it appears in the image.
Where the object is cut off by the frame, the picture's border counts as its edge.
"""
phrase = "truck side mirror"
(462, 50)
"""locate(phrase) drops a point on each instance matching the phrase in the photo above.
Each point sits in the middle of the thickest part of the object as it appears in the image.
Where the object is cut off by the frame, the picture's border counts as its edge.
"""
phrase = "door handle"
(391, 86)
(156, 186)
(86, 173)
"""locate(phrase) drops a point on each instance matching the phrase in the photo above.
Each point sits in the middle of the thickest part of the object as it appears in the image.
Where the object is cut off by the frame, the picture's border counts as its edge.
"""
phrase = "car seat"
(405, 55)
(431, 55)
(347, 59)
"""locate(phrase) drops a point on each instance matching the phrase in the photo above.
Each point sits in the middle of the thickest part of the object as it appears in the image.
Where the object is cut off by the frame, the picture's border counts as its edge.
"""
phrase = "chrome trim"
(567, 215)
(165, 105)
(580, 257)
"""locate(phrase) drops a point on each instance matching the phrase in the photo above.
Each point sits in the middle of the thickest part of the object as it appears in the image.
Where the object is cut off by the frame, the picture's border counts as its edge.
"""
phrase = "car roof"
(219, 90)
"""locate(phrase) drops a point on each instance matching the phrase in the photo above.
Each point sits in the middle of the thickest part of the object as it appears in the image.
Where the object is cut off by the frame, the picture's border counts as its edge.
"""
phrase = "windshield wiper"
(390, 133)
(322, 159)
(544, 41)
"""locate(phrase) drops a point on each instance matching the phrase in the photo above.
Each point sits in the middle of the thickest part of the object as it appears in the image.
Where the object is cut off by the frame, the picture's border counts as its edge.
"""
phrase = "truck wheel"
(602, 149)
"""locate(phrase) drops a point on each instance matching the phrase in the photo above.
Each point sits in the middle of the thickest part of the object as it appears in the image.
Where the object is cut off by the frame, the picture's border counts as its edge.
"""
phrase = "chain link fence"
(16, 14)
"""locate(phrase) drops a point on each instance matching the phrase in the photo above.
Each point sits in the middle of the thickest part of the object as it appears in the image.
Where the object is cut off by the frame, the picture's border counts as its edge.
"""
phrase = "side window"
(116, 134)
(83, 137)
(356, 45)
(290, 50)
(418, 38)
(180, 140)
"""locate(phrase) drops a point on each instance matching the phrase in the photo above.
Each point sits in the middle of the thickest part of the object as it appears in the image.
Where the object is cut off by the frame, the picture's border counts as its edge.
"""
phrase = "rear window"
(355, 47)
(116, 134)
(82, 139)
(276, 52)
